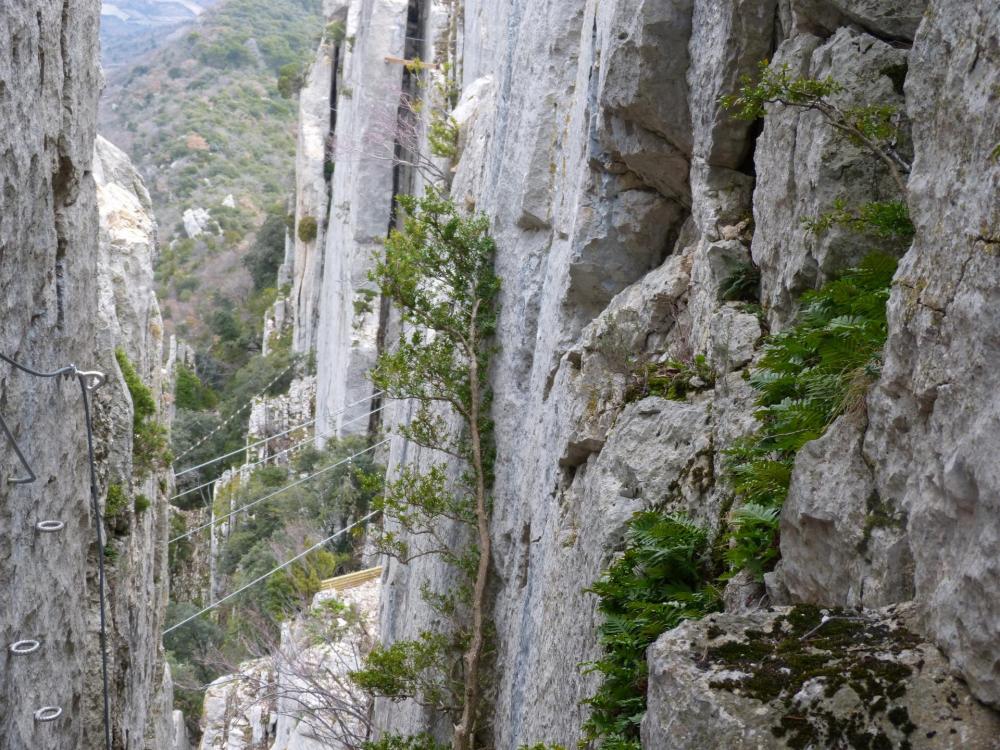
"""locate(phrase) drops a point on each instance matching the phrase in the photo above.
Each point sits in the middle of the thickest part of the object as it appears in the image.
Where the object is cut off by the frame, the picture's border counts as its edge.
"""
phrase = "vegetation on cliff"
(438, 270)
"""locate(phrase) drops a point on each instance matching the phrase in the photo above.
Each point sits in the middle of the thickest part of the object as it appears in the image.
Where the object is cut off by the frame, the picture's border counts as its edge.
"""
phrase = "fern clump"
(809, 375)
(657, 583)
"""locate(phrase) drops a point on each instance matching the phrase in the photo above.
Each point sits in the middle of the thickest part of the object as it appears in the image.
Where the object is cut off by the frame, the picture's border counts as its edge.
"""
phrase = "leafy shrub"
(308, 229)
(886, 220)
(291, 79)
(267, 251)
(742, 285)
(673, 379)
(657, 583)
(874, 127)
(810, 374)
(116, 501)
(415, 669)
(149, 437)
(142, 503)
(335, 32)
(191, 393)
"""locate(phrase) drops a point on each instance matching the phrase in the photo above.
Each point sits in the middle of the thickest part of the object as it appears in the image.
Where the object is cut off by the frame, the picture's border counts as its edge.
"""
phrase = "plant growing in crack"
(874, 127)
(809, 375)
(438, 271)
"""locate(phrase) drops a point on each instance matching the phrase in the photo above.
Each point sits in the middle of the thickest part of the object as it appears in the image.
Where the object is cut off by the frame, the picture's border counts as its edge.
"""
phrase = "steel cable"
(232, 416)
(264, 460)
(277, 492)
(271, 437)
(89, 381)
(270, 573)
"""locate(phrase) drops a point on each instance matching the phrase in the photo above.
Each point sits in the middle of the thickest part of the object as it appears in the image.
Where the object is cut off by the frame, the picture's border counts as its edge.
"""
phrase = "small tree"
(438, 270)
(875, 127)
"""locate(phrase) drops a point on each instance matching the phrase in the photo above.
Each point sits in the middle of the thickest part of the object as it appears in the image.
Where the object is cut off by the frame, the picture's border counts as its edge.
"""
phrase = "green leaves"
(416, 669)
(656, 584)
(886, 220)
(438, 272)
(776, 84)
(808, 376)
(874, 127)
(150, 447)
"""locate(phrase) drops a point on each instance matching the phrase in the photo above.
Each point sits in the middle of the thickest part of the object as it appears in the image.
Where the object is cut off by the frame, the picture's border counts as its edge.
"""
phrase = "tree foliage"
(438, 271)
(267, 251)
(150, 448)
(874, 127)
(191, 393)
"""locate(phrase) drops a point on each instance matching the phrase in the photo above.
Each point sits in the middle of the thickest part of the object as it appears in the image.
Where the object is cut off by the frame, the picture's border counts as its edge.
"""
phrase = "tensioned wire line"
(233, 416)
(270, 573)
(224, 456)
(277, 492)
(279, 453)
(270, 437)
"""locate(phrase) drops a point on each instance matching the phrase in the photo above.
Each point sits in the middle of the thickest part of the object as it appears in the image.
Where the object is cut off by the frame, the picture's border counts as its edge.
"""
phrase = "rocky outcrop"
(803, 166)
(136, 549)
(66, 298)
(274, 419)
(803, 677)
(841, 543)
(932, 436)
(298, 697)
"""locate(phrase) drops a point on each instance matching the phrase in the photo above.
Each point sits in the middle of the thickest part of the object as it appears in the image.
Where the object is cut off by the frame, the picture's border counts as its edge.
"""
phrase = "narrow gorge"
(500, 374)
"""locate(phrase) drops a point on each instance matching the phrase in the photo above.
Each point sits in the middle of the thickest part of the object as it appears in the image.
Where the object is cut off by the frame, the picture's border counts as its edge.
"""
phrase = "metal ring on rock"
(50, 527)
(25, 647)
(93, 379)
(48, 713)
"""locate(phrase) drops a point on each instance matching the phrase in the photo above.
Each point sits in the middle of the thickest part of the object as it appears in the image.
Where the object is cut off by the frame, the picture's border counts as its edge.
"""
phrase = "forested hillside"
(206, 125)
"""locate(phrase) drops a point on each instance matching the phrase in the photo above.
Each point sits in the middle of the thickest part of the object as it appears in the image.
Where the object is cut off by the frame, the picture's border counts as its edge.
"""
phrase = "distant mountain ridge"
(133, 28)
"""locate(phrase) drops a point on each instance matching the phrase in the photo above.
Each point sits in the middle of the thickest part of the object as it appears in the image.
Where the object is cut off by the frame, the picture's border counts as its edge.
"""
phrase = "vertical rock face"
(65, 298)
(622, 199)
(803, 166)
(48, 246)
(130, 322)
(360, 208)
(933, 438)
(311, 196)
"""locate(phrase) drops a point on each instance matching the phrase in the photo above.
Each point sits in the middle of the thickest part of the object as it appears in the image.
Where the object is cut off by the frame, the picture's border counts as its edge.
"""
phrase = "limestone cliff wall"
(129, 317)
(621, 197)
(70, 297)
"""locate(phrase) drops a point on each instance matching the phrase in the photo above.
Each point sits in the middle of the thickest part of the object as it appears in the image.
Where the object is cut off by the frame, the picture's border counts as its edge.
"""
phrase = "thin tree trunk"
(466, 727)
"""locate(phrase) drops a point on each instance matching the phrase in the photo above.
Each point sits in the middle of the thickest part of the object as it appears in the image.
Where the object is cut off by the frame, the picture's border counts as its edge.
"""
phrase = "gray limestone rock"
(781, 679)
(360, 208)
(886, 19)
(933, 437)
(841, 543)
(728, 40)
(311, 195)
(59, 305)
(804, 166)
